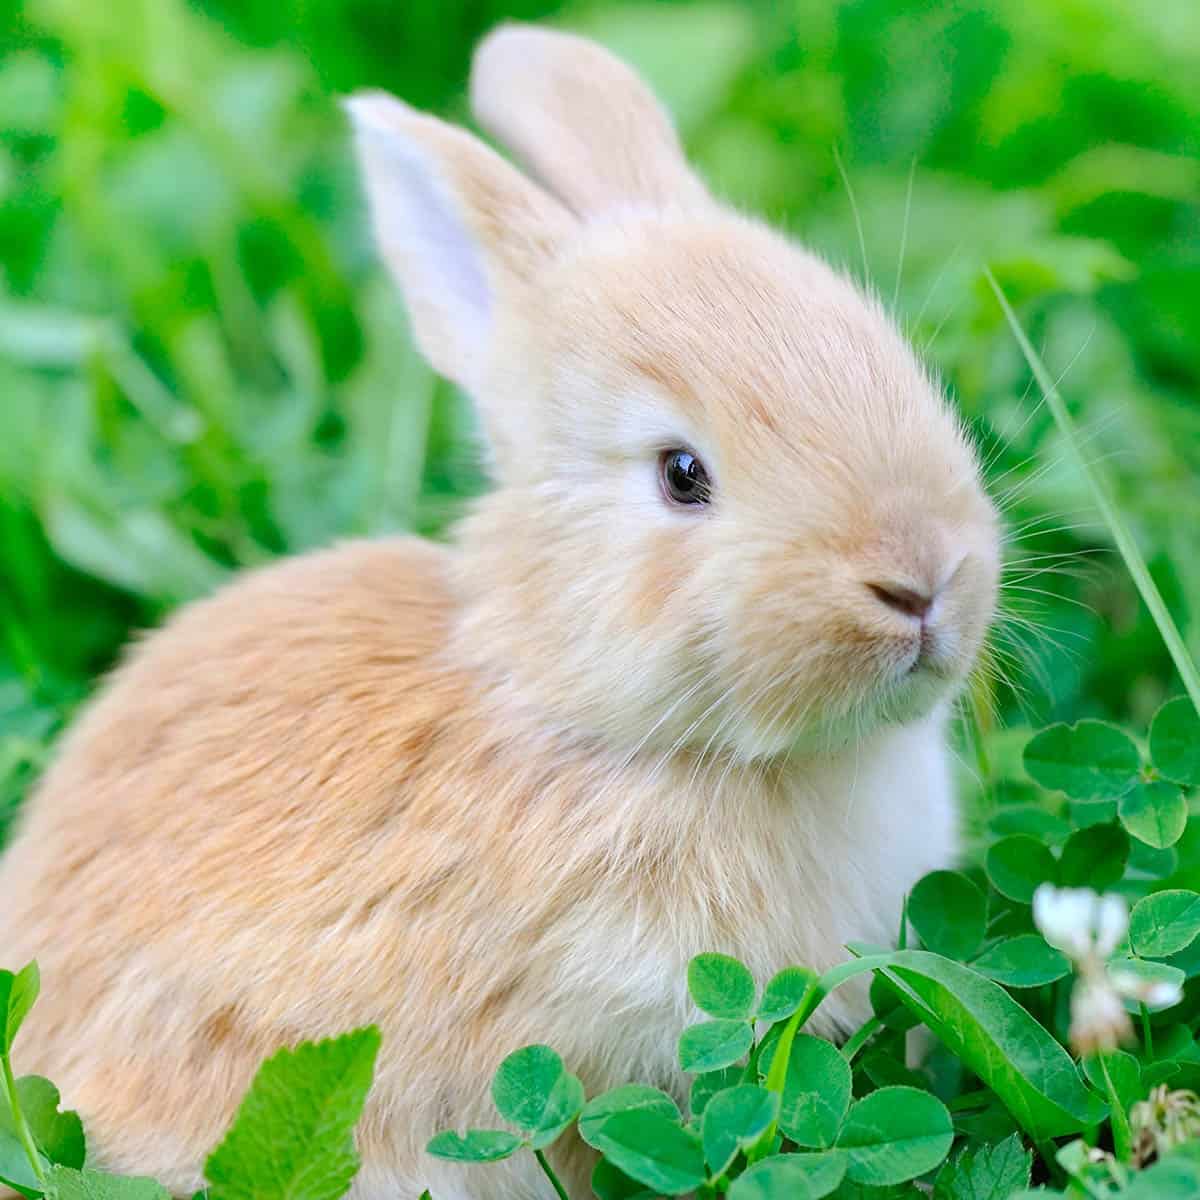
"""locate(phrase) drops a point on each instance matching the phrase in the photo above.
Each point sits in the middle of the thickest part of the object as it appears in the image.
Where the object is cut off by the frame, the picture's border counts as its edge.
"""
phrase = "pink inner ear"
(415, 216)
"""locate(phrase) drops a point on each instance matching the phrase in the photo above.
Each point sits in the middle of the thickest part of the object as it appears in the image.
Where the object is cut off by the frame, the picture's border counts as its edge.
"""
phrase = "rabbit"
(679, 683)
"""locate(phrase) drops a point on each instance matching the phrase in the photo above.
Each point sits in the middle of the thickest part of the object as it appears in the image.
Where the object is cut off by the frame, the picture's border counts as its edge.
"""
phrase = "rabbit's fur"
(502, 792)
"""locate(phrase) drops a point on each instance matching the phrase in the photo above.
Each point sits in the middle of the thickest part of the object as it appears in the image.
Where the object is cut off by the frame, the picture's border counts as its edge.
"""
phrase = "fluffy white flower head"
(1085, 926)
(1153, 993)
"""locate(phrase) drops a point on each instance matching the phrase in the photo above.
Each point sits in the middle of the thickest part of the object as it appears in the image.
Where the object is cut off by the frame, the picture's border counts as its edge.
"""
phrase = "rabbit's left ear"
(462, 231)
(581, 121)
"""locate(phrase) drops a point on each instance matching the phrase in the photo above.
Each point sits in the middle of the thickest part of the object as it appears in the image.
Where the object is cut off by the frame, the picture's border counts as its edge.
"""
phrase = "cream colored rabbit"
(680, 683)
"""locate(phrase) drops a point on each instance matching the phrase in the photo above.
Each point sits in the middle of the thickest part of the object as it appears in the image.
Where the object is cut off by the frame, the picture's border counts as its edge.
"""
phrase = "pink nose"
(903, 599)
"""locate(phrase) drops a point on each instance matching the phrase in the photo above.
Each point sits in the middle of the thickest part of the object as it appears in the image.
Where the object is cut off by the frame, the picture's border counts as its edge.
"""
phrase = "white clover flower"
(1099, 1022)
(1086, 927)
(1153, 993)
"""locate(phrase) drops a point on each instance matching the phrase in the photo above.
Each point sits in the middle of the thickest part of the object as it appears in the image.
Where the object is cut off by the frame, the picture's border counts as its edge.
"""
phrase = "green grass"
(201, 366)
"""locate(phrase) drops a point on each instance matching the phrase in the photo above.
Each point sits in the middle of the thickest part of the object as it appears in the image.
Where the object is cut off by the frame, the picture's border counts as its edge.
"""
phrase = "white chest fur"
(827, 860)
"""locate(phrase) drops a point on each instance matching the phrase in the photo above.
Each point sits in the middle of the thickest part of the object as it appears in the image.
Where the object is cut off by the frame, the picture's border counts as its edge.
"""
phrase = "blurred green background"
(202, 367)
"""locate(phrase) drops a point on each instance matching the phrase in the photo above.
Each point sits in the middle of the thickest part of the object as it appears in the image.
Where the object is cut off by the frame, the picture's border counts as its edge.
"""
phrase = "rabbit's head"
(732, 510)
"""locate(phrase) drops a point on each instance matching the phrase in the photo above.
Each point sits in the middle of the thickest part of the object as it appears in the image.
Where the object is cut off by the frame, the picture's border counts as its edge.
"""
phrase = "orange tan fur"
(502, 792)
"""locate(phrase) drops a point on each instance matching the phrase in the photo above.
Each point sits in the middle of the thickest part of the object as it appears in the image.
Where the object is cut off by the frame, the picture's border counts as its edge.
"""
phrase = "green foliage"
(292, 1137)
(293, 1132)
(735, 1120)
(816, 1093)
(999, 1040)
(721, 986)
(1017, 865)
(1155, 812)
(1088, 761)
(1175, 742)
(791, 1177)
(1165, 923)
(534, 1091)
(652, 1148)
(476, 1145)
(1022, 961)
(949, 912)
(784, 993)
(65, 1184)
(17, 995)
(714, 1044)
(988, 1173)
(895, 1134)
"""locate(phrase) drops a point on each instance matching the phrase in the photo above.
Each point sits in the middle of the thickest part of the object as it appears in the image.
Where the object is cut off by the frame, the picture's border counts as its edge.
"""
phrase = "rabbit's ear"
(461, 229)
(581, 121)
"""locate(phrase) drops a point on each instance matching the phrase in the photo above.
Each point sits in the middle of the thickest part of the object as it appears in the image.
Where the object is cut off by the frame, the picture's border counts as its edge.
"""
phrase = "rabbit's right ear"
(581, 121)
(462, 231)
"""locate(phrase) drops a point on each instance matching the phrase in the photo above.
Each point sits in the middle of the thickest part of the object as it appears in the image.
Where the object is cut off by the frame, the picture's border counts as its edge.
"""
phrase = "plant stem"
(1147, 1035)
(19, 1122)
(1121, 534)
(817, 990)
(1122, 1134)
(550, 1175)
(860, 1037)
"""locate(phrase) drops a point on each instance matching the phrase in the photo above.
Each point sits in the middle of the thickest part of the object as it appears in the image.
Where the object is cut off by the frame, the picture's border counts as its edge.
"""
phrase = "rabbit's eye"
(684, 479)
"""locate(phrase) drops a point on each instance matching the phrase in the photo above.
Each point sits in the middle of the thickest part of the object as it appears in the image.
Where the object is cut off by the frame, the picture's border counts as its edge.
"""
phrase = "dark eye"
(684, 479)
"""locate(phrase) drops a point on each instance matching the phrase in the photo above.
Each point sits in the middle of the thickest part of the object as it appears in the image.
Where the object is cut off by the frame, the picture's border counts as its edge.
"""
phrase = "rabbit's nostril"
(903, 599)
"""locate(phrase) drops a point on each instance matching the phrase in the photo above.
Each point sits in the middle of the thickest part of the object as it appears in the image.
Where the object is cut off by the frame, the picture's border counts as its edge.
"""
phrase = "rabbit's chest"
(786, 887)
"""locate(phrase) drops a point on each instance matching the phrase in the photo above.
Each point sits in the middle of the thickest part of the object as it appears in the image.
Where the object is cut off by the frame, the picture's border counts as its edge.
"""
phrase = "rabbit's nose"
(904, 599)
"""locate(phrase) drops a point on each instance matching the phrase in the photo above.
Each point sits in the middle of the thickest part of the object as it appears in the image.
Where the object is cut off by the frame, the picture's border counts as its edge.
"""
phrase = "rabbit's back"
(237, 846)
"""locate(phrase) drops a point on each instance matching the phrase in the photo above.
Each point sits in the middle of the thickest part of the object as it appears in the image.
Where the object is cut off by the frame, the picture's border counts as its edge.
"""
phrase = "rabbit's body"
(679, 686)
(352, 833)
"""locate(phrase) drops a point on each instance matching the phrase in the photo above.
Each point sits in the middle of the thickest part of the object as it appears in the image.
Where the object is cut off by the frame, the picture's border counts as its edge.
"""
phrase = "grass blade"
(1113, 518)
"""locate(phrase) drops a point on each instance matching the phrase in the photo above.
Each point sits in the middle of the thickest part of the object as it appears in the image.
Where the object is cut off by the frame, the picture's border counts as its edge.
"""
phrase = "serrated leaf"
(713, 1044)
(1023, 961)
(1164, 923)
(1091, 760)
(1155, 813)
(1018, 865)
(949, 913)
(791, 1177)
(66, 1183)
(734, 1120)
(534, 1091)
(986, 1172)
(653, 1149)
(17, 995)
(1175, 742)
(475, 1145)
(721, 986)
(292, 1135)
(784, 993)
(816, 1093)
(895, 1134)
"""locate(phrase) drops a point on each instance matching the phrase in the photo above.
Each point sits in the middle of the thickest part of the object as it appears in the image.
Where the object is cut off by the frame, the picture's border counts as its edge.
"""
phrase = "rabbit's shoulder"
(286, 685)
